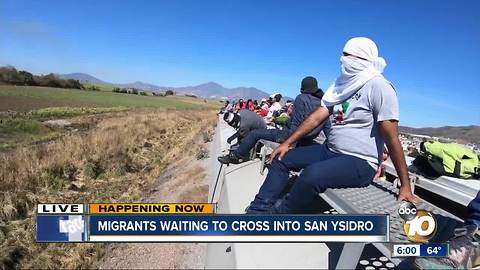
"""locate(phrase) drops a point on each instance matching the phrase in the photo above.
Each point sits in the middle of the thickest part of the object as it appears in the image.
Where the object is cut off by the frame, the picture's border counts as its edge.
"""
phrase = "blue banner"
(61, 228)
(241, 225)
(434, 250)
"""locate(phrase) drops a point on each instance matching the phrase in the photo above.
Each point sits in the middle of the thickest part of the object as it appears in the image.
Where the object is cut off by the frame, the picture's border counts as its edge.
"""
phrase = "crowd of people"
(359, 115)
(271, 121)
(270, 107)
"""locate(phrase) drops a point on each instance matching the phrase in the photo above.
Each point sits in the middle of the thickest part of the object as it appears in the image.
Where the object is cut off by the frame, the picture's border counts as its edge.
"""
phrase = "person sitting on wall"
(250, 105)
(226, 107)
(362, 109)
(305, 103)
(264, 108)
(244, 122)
(285, 114)
(240, 105)
(276, 107)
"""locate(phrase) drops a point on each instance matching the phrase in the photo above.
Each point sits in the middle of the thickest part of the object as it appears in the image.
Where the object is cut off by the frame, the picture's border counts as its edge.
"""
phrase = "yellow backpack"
(451, 159)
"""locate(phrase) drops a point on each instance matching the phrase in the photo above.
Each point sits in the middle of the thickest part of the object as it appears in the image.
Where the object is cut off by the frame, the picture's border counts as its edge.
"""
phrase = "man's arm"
(389, 130)
(314, 120)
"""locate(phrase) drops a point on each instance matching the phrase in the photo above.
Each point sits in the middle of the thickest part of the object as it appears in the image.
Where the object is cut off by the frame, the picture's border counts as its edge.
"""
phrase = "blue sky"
(432, 48)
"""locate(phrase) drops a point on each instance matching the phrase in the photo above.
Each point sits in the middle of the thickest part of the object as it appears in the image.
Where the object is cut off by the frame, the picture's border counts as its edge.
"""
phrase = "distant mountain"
(207, 90)
(464, 133)
(81, 77)
(217, 91)
(141, 85)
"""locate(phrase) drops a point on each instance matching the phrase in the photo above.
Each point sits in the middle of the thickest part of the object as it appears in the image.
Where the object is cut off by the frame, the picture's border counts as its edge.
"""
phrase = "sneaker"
(231, 158)
(260, 206)
(250, 211)
(461, 250)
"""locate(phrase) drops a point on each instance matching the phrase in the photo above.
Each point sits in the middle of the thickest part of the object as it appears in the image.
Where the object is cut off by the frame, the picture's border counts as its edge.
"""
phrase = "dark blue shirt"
(303, 106)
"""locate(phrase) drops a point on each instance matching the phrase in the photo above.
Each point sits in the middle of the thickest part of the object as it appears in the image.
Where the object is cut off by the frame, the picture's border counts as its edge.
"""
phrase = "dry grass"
(182, 181)
(114, 162)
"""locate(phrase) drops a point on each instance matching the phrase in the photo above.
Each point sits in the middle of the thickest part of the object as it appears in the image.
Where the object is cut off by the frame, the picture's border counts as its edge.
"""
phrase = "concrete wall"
(218, 146)
(237, 186)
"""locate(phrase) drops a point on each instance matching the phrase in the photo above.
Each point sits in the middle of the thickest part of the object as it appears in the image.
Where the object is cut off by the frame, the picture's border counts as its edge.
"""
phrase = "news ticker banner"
(197, 223)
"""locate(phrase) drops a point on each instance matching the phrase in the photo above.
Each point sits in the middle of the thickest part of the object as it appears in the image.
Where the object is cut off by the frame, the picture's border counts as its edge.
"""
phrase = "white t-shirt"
(354, 128)
(276, 106)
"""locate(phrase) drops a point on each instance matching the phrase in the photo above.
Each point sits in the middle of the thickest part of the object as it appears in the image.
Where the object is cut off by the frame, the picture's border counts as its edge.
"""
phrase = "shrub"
(207, 136)
(202, 153)
(93, 88)
(92, 170)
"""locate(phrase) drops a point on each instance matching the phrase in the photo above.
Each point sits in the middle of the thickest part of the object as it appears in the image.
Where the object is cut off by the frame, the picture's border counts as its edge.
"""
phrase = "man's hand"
(279, 152)
(406, 194)
(389, 130)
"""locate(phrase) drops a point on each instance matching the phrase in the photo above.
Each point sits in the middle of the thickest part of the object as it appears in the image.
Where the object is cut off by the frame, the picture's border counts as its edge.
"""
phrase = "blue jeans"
(274, 135)
(322, 169)
(474, 211)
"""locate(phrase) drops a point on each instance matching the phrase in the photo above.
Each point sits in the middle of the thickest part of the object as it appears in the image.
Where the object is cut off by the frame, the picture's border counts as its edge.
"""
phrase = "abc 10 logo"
(420, 225)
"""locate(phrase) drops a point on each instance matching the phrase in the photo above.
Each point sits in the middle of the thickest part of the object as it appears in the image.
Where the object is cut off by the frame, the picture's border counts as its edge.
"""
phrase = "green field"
(26, 98)
(101, 86)
(24, 108)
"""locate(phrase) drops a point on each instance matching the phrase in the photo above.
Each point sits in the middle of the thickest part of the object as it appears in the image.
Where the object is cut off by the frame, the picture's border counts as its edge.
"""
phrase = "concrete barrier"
(218, 146)
(235, 188)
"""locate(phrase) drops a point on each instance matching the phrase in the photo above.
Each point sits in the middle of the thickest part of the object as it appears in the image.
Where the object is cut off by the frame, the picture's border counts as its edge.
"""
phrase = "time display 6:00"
(406, 250)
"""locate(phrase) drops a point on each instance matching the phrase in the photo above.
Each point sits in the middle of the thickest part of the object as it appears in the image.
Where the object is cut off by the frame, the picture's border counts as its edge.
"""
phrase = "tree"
(50, 80)
(27, 78)
(74, 84)
(10, 75)
(169, 93)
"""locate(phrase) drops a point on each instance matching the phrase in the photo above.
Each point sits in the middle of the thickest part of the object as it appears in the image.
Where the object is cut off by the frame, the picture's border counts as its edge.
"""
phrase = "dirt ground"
(184, 181)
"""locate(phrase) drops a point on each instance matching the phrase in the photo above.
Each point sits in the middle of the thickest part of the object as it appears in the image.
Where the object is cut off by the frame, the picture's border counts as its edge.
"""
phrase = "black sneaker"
(461, 250)
(231, 158)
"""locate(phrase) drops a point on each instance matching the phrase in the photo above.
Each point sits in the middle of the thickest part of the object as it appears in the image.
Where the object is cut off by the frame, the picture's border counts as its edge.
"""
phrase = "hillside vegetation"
(10, 75)
(115, 160)
(77, 146)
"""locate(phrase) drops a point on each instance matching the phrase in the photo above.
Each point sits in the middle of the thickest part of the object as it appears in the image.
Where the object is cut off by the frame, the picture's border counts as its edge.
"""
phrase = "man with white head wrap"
(361, 112)
(360, 63)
